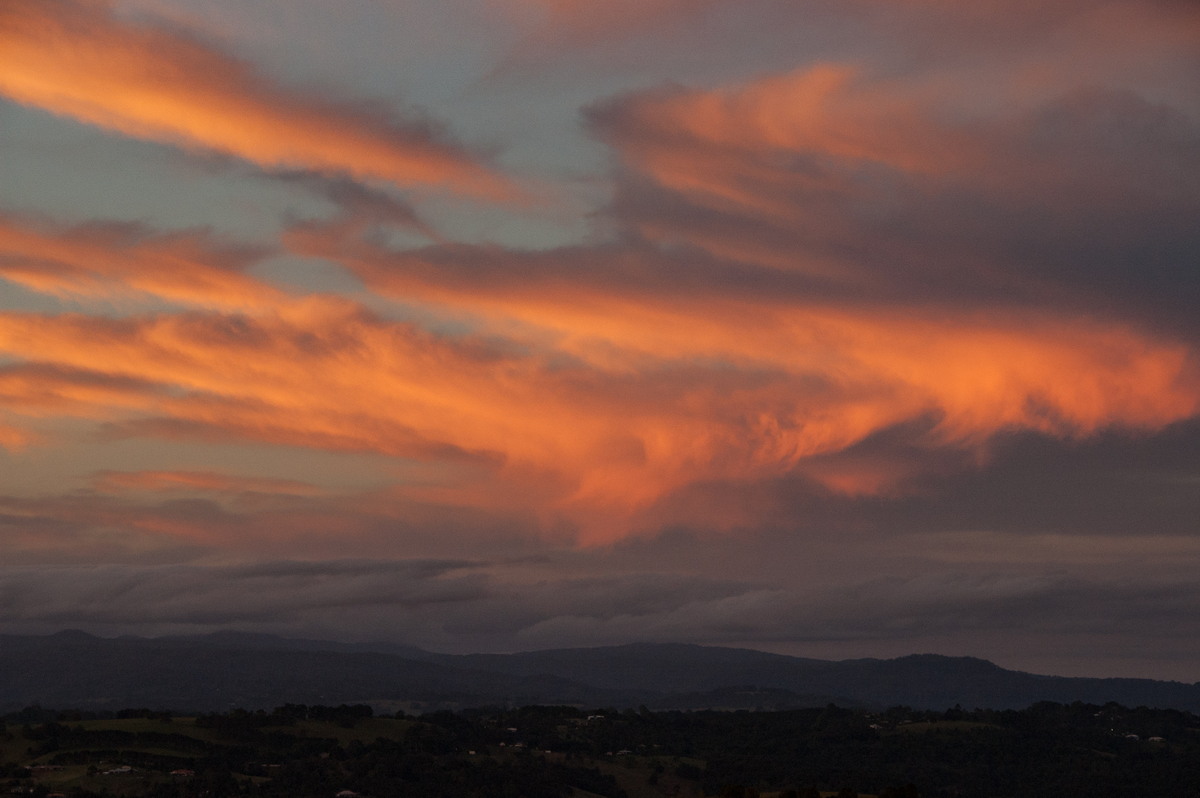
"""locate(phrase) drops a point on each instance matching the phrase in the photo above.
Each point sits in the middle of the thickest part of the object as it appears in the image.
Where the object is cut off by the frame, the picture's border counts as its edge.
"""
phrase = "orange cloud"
(50, 390)
(795, 167)
(206, 481)
(122, 260)
(982, 370)
(801, 359)
(824, 109)
(595, 443)
(76, 59)
(14, 438)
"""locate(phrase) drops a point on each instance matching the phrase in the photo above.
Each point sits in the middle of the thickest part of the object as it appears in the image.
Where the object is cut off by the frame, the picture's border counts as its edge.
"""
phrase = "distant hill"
(925, 681)
(219, 671)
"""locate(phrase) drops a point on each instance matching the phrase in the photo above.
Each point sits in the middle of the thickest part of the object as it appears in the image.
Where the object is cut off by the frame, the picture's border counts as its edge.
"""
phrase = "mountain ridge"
(73, 669)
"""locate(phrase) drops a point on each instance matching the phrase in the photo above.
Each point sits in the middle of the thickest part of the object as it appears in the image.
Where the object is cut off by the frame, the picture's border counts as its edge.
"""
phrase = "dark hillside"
(73, 669)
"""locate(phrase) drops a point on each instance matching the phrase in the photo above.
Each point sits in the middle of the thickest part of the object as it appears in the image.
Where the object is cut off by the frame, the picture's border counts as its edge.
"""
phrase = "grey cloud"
(1080, 204)
(1117, 482)
(420, 597)
(1006, 616)
(203, 596)
(361, 209)
(418, 569)
(459, 605)
(91, 527)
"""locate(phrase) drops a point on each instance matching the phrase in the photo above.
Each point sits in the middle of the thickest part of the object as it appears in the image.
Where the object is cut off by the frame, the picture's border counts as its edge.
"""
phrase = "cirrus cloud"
(77, 58)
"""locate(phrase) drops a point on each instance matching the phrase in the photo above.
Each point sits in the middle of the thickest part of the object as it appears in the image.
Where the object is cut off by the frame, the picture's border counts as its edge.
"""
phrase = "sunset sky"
(836, 328)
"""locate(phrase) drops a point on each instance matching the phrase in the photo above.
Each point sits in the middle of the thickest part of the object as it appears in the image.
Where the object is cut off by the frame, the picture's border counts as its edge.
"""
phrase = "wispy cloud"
(206, 481)
(76, 58)
(121, 260)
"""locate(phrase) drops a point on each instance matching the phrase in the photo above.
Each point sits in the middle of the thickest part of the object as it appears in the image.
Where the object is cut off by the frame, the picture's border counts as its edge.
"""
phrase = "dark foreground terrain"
(301, 751)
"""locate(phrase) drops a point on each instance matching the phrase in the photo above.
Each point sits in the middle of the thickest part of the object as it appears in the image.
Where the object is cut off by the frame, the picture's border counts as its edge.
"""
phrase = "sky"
(854, 328)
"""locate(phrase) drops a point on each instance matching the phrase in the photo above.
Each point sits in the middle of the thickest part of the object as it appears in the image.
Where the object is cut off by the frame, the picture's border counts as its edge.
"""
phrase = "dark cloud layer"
(1076, 202)
(439, 603)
